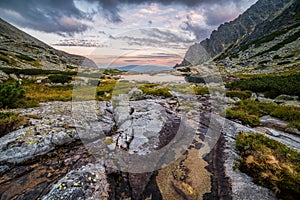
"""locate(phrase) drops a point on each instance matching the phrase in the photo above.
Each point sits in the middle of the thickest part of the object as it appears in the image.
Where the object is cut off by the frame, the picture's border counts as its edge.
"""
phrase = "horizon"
(120, 34)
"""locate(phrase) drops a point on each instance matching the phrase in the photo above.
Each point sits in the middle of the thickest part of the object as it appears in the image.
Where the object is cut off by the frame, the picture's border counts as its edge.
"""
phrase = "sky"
(118, 33)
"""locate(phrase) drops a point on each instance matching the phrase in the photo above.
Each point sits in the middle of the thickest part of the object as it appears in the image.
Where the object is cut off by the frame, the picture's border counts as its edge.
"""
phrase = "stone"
(273, 122)
(273, 132)
(61, 138)
(3, 76)
(135, 94)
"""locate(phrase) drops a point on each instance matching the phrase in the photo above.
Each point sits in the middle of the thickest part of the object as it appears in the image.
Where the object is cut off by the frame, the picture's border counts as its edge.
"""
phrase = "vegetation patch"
(243, 116)
(155, 90)
(248, 112)
(9, 122)
(201, 90)
(240, 94)
(25, 57)
(270, 163)
(11, 95)
(60, 78)
(36, 93)
(271, 85)
(187, 69)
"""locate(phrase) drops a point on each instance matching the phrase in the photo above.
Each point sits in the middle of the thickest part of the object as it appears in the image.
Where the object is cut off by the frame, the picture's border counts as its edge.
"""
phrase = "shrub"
(240, 94)
(11, 95)
(60, 79)
(272, 86)
(9, 122)
(187, 69)
(270, 163)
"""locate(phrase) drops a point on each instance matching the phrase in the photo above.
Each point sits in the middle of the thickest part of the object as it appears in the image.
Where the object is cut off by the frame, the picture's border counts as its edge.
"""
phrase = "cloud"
(200, 32)
(67, 17)
(217, 14)
(155, 37)
(55, 16)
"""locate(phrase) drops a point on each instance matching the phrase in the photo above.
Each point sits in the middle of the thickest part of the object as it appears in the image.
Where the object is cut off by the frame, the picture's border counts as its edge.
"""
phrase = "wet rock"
(185, 190)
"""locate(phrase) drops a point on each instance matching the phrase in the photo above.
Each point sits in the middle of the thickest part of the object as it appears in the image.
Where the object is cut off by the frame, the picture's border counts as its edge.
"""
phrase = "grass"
(10, 121)
(36, 93)
(270, 163)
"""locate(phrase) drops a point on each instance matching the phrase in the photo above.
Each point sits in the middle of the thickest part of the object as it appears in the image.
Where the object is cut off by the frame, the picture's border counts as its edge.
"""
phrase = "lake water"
(157, 78)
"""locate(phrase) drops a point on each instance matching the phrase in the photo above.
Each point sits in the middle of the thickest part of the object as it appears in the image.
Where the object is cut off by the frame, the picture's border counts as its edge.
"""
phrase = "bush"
(9, 122)
(60, 79)
(270, 163)
(11, 95)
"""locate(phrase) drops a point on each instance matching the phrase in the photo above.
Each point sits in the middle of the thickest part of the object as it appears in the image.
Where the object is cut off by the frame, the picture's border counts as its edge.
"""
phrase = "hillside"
(264, 38)
(18, 49)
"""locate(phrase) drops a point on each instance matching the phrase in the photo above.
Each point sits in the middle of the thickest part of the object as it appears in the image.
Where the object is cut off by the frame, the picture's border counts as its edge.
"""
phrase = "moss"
(10, 121)
(201, 90)
(270, 163)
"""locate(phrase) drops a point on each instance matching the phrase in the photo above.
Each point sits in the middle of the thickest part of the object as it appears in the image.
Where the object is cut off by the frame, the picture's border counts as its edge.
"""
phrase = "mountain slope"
(232, 42)
(18, 49)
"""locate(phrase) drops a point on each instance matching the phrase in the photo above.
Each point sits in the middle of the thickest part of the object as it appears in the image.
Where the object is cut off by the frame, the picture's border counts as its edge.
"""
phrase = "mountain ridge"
(19, 49)
(260, 20)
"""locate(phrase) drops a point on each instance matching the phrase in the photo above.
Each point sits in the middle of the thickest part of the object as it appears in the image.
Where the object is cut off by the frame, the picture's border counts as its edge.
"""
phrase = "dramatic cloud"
(66, 17)
(154, 37)
(198, 31)
(55, 16)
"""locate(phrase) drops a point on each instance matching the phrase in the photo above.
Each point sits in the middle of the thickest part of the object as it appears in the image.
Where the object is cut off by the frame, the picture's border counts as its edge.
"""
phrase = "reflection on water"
(157, 78)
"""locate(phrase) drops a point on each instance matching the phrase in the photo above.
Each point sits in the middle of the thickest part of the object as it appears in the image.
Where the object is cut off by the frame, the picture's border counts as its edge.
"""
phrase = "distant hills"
(18, 49)
(144, 68)
(265, 37)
